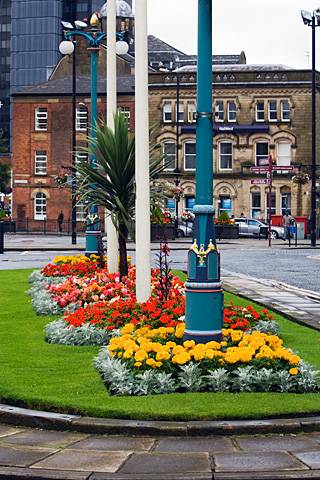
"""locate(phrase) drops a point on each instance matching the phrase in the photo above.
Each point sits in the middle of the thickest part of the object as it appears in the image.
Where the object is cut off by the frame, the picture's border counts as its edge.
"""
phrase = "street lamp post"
(313, 21)
(94, 38)
(74, 146)
(177, 169)
(204, 296)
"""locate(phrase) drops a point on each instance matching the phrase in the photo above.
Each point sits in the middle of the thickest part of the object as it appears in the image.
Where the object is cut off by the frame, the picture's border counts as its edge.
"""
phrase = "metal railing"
(46, 226)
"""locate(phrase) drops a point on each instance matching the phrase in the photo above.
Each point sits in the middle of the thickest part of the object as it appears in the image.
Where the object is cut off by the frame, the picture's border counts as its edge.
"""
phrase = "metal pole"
(74, 147)
(111, 107)
(143, 243)
(93, 224)
(177, 170)
(270, 198)
(313, 218)
(204, 296)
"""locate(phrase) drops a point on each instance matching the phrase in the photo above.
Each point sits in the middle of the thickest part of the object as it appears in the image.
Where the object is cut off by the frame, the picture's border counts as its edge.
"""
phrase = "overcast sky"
(269, 31)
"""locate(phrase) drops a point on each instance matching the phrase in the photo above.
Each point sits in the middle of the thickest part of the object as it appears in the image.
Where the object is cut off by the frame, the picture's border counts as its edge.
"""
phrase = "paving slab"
(288, 475)
(167, 463)
(84, 461)
(117, 443)
(44, 438)
(276, 443)
(6, 430)
(150, 476)
(18, 456)
(311, 458)
(13, 473)
(195, 444)
(256, 462)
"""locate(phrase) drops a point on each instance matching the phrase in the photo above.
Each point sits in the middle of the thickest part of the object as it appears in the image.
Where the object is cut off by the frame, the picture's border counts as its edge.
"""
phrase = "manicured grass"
(55, 377)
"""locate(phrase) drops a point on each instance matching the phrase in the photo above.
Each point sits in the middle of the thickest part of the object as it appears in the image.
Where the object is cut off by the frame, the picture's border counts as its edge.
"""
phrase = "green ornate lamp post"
(94, 37)
(204, 296)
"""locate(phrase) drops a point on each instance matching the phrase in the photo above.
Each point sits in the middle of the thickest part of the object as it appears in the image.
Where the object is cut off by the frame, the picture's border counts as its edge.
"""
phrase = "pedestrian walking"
(288, 221)
(60, 221)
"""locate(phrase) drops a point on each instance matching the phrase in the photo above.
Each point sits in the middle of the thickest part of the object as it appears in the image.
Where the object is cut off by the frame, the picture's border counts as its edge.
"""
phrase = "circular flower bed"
(149, 361)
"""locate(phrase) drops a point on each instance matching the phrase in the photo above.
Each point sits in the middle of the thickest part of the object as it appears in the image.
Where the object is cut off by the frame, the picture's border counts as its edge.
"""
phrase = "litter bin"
(300, 230)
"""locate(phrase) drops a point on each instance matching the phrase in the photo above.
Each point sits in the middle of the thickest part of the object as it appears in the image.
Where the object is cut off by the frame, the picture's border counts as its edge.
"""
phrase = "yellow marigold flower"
(294, 360)
(120, 354)
(127, 328)
(214, 345)
(158, 364)
(293, 371)
(140, 355)
(181, 358)
(128, 354)
(137, 364)
(180, 330)
(163, 355)
(171, 344)
(189, 344)
(223, 344)
(210, 353)
(178, 349)
(151, 362)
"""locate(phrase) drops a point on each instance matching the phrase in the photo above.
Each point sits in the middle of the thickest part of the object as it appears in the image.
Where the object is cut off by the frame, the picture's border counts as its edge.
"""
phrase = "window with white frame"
(286, 203)
(127, 114)
(180, 114)
(81, 118)
(232, 111)
(167, 112)
(40, 162)
(219, 111)
(284, 153)
(272, 111)
(225, 150)
(192, 112)
(260, 111)
(255, 204)
(81, 212)
(262, 154)
(285, 110)
(40, 206)
(190, 156)
(41, 119)
(80, 157)
(169, 155)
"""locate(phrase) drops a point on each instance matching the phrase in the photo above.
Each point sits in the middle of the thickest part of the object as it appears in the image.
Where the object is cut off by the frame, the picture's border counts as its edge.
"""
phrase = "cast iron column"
(204, 296)
(74, 147)
(313, 219)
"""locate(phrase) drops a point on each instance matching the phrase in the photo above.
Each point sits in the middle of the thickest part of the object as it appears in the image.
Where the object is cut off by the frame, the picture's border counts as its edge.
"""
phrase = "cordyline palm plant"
(110, 181)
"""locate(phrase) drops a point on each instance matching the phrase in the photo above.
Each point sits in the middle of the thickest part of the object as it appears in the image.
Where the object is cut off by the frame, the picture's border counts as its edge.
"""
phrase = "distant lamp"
(123, 9)
(94, 20)
(66, 47)
(122, 47)
(80, 25)
(306, 17)
(67, 25)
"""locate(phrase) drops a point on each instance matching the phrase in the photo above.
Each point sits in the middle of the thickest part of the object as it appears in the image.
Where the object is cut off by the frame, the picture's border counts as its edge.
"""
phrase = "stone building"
(259, 110)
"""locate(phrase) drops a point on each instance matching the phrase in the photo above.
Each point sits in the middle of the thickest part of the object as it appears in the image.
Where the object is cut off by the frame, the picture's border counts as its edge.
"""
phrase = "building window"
(262, 154)
(232, 111)
(169, 155)
(226, 155)
(126, 112)
(81, 212)
(180, 114)
(219, 111)
(285, 111)
(273, 204)
(192, 112)
(167, 112)
(189, 203)
(272, 111)
(286, 203)
(260, 111)
(41, 119)
(40, 162)
(284, 153)
(255, 204)
(40, 206)
(82, 118)
(190, 156)
(80, 157)
(171, 205)
(225, 204)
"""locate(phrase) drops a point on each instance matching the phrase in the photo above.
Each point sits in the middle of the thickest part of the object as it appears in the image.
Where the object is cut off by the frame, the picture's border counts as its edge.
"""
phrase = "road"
(297, 267)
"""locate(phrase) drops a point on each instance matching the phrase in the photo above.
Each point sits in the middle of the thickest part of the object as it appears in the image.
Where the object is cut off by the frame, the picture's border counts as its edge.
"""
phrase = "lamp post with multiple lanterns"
(94, 37)
(313, 20)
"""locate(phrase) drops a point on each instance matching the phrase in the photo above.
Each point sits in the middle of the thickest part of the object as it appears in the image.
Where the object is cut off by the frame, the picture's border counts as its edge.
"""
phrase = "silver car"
(252, 227)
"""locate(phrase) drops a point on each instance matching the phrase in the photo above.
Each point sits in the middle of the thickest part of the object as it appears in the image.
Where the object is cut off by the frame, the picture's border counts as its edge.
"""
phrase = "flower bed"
(145, 361)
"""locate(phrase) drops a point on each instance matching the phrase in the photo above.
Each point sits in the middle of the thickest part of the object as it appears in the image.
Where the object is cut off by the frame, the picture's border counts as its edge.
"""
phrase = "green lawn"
(55, 377)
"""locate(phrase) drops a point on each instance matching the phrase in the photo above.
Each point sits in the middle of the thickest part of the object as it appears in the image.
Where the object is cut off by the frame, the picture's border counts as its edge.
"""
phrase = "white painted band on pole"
(111, 106)
(143, 243)
(202, 333)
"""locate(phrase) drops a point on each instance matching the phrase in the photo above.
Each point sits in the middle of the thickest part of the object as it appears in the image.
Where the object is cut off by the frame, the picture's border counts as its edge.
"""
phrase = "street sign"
(282, 168)
(259, 169)
(261, 181)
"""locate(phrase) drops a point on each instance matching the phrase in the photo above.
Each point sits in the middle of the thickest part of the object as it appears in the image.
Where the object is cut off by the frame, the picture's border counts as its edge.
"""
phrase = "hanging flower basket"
(301, 178)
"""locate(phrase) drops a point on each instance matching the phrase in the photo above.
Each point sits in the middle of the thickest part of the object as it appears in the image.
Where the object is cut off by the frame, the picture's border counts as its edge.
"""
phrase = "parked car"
(252, 227)
(185, 229)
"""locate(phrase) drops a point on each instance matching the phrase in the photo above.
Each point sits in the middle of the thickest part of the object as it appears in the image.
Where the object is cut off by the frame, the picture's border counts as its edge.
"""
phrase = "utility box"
(300, 230)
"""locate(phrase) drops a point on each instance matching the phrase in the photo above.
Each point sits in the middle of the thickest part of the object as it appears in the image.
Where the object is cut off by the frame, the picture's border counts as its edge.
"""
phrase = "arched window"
(40, 206)
(169, 155)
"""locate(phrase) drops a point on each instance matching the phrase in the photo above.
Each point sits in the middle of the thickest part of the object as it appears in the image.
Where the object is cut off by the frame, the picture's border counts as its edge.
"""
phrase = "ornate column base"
(93, 233)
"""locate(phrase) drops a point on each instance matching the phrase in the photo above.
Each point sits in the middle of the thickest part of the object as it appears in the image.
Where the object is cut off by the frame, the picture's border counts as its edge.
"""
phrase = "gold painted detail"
(201, 252)
(93, 218)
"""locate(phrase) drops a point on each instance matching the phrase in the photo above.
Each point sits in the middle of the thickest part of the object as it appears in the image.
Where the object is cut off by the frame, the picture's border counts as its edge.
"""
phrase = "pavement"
(69, 447)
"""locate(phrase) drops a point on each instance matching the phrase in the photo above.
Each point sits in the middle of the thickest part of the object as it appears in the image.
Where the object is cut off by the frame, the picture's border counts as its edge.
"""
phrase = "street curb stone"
(54, 421)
